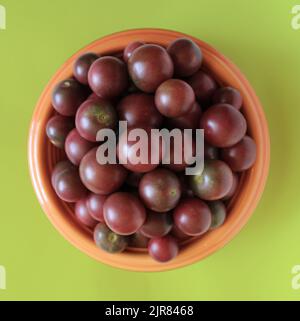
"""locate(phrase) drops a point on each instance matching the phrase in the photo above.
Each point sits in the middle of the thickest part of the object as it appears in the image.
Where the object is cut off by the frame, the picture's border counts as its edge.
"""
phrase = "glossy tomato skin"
(186, 55)
(157, 224)
(138, 240)
(82, 214)
(149, 66)
(67, 96)
(128, 156)
(233, 189)
(57, 129)
(130, 49)
(109, 241)
(163, 249)
(192, 216)
(188, 121)
(124, 213)
(82, 66)
(95, 203)
(228, 95)
(101, 179)
(214, 182)
(66, 182)
(93, 115)
(139, 110)
(204, 86)
(108, 77)
(160, 190)
(218, 211)
(174, 98)
(76, 147)
(241, 156)
(223, 125)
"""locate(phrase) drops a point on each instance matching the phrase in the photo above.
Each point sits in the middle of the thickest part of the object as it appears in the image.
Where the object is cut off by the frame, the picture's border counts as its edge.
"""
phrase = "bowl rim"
(248, 200)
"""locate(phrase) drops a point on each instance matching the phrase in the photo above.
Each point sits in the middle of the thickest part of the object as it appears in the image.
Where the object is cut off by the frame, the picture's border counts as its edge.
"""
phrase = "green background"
(258, 37)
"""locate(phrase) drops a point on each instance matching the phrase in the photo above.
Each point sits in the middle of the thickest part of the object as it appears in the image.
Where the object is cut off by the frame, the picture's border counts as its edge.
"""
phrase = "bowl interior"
(43, 157)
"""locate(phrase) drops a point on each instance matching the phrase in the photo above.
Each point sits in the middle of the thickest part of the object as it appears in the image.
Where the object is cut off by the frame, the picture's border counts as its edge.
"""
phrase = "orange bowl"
(43, 156)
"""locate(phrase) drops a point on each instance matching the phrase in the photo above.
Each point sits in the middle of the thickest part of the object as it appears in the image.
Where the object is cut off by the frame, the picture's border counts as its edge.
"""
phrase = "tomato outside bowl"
(43, 156)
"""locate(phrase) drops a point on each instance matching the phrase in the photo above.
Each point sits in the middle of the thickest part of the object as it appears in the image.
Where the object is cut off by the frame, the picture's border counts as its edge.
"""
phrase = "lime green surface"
(257, 35)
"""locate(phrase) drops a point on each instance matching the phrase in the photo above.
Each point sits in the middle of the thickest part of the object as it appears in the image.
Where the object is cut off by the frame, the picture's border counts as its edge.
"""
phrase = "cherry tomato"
(139, 110)
(93, 115)
(95, 205)
(174, 98)
(76, 147)
(57, 129)
(192, 216)
(214, 182)
(101, 179)
(109, 241)
(218, 211)
(82, 214)
(130, 49)
(204, 86)
(223, 125)
(108, 77)
(241, 156)
(66, 182)
(67, 96)
(157, 224)
(124, 213)
(149, 66)
(233, 188)
(82, 66)
(228, 95)
(163, 249)
(160, 190)
(186, 55)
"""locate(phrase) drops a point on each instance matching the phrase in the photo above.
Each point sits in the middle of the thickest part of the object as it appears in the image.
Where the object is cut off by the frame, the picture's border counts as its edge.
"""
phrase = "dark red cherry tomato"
(101, 179)
(57, 129)
(192, 216)
(223, 125)
(228, 95)
(124, 213)
(149, 66)
(241, 156)
(163, 249)
(160, 190)
(108, 77)
(214, 182)
(67, 96)
(82, 66)
(76, 147)
(95, 205)
(186, 55)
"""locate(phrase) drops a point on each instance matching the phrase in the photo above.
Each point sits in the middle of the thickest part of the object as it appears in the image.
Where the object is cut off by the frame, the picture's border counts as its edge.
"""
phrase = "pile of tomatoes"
(151, 206)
